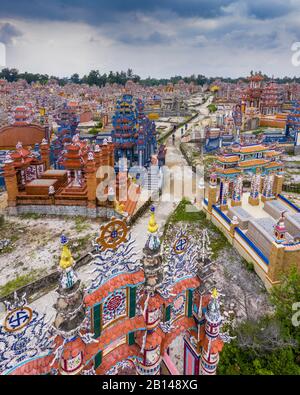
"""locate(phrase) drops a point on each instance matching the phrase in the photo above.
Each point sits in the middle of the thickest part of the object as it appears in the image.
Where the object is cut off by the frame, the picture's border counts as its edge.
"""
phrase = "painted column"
(224, 189)
(237, 191)
(267, 193)
(254, 190)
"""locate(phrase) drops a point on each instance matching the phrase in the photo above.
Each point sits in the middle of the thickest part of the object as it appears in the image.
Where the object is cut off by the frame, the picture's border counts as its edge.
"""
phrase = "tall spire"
(69, 277)
(70, 315)
(152, 225)
(153, 242)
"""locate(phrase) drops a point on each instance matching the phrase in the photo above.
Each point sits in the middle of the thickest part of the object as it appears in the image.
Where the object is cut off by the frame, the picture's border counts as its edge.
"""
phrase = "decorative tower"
(150, 341)
(280, 230)
(91, 181)
(45, 153)
(70, 316)
(212, 192)
(267, 193)
(11, 181)
(255, 189)
(212, 343)
(237, 191)
(224, 190)
(124, 123)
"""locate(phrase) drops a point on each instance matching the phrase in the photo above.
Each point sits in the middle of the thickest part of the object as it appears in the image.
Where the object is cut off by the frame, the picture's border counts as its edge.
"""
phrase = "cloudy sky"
(153, 37)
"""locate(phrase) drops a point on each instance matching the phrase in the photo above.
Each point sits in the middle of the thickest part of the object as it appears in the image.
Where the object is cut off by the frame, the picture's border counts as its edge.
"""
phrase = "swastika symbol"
(180, 245)
(18, 319)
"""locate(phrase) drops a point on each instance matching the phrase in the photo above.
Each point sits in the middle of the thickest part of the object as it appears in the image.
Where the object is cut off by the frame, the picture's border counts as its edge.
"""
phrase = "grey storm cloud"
(153, 39)
(7, 32)
(97, 12)
(261, 9)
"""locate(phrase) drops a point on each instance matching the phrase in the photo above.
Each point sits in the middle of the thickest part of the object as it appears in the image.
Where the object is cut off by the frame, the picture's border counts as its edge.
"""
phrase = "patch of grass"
(218, 243)
(182, 213)
(248, 265)
(79, 245)
(31, 216)
(19, 282)
(81, 224)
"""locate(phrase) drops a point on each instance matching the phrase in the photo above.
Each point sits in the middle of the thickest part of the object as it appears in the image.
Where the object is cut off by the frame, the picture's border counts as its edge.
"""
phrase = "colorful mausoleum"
(134, 135)
(127, 317)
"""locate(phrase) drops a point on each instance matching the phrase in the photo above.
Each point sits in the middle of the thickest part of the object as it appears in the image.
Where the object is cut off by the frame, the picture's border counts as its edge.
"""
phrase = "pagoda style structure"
(254, 161)
(124, 132)
(265, 235)
(134, 134)
(252, 96)
(272, 99)
(81, 188)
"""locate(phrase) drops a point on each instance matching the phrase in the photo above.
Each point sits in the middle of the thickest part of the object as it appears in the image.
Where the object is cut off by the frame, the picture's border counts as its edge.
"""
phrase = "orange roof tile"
(112, 284)
(113, 333)
(253, 162)
(117, 355)
(228, 159)
(251, 148)
(36, 367)
(227, 171)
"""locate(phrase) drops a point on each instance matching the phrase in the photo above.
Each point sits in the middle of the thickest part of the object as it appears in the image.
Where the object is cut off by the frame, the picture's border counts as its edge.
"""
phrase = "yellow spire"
(215, 293)
(152, 225)
(66, 259)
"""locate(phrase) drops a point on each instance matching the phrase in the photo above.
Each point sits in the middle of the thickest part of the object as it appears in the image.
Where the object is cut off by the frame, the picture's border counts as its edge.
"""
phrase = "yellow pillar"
(11, 183)
(278, 183)
(234, 223)
(276, 262)
(91, 181)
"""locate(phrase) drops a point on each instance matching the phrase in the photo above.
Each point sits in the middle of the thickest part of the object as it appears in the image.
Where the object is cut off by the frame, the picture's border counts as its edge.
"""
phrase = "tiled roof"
(252, 162)
(36, 367)
(216, 345)
(112, 284)
(152, 340)
(117, 355)
(112, 333)
(228, 171)
(250, 148)
(228, 159)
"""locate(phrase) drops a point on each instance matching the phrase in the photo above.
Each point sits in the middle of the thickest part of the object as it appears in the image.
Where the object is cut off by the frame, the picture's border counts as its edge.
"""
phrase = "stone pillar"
(237, 192)
(45, 153)
(254, 190)
(212, 192)
(10, 177)
(224, 188)
(276, 262)
(234, 223)
(267, 193)
(97, 156)
(111, 153)
(91, 181)
(278, 183)
(140, 158)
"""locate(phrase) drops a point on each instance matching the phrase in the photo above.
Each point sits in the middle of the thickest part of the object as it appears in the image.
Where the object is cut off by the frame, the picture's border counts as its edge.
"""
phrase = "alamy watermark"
(296, 316)
(2, 55)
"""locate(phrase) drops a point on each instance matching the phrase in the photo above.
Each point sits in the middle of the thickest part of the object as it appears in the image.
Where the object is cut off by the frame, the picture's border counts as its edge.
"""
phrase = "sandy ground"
(35, 244)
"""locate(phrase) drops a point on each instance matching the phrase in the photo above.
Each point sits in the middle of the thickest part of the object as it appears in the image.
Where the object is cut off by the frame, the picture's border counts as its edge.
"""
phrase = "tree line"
(94, 77)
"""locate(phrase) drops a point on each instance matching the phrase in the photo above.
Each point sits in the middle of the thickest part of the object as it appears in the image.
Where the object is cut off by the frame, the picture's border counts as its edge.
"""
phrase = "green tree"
(270, 345)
